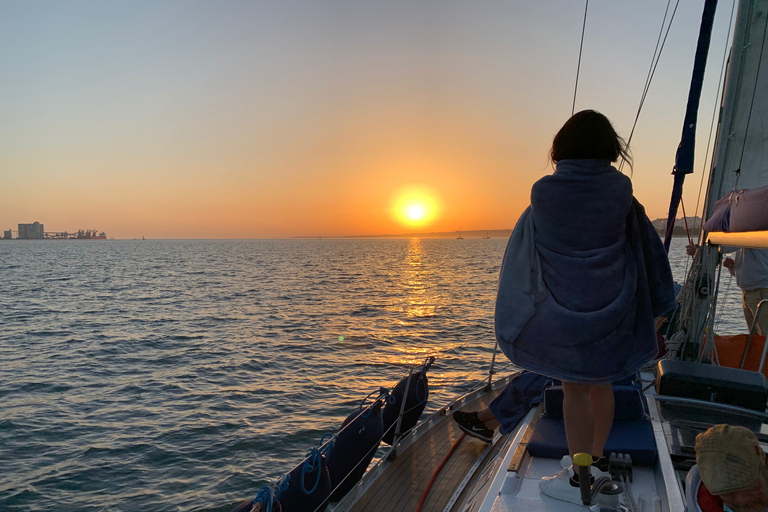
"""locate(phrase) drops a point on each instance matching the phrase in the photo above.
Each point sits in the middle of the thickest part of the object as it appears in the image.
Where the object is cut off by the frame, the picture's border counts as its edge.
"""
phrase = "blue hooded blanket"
(583, 278)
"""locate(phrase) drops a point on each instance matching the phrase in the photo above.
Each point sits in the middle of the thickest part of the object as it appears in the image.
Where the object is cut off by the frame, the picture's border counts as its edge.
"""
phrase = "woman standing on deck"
(582, 280)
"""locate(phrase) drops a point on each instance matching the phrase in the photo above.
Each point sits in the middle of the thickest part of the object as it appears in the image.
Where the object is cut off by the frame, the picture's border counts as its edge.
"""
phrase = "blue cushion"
(629, 403)
(632, 437)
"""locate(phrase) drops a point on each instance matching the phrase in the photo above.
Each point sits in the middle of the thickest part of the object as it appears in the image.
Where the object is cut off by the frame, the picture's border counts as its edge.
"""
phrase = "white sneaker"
(559, 487)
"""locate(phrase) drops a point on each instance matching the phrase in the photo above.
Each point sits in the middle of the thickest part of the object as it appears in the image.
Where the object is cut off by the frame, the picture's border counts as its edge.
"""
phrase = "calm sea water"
(184, 375)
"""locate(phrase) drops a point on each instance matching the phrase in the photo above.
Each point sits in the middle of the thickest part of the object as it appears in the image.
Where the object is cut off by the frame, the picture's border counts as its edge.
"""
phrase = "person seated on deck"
(479, 424)
(730, 472)
(506, 410)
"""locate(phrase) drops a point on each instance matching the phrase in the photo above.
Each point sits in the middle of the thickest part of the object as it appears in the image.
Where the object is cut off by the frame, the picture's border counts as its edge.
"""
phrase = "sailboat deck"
(401, 485)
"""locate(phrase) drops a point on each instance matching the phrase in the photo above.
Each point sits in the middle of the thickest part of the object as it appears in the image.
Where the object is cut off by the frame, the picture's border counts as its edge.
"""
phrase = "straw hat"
(729, 458)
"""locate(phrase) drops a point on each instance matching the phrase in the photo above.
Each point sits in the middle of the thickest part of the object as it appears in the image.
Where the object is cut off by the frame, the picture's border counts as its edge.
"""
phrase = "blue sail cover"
(685, 152)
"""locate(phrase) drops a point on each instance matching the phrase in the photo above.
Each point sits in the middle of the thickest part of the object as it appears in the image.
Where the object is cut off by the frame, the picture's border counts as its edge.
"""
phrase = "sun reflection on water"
(419, 303)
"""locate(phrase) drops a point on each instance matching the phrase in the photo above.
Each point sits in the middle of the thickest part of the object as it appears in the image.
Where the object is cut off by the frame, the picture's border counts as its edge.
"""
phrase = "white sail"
(741, 153)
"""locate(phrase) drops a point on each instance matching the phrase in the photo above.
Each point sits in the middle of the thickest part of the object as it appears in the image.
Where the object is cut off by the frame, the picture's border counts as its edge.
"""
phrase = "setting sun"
(415, 206)
(416, 212)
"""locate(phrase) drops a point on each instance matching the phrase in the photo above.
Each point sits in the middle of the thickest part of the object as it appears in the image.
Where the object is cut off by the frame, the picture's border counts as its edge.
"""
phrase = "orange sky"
(248, 119)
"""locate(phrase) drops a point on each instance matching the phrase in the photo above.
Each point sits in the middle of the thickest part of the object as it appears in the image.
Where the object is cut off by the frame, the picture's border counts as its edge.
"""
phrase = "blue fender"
(415, 402)
(356, 444)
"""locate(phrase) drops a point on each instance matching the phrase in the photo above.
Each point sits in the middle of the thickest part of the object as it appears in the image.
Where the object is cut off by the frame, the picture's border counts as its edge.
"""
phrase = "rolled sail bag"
(749, 211)
(741, 210)
(415, 402)
(309, 485)
(356, 444)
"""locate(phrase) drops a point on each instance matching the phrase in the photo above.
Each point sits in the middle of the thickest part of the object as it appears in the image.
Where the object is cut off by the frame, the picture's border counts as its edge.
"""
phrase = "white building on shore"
(32, 231)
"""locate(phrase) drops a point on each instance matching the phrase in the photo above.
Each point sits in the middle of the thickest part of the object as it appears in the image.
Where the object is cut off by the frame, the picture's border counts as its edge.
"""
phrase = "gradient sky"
(251, 119)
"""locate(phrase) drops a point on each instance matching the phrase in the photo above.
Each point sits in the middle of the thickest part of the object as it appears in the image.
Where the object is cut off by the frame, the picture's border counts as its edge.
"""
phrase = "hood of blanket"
(582, 206)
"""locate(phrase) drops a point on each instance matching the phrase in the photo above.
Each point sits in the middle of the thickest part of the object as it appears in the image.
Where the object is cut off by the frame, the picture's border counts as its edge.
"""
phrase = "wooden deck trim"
(401, 484)
(522, 449)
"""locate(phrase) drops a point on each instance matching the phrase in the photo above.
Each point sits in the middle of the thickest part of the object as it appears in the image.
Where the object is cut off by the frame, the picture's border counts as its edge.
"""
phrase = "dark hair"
(589, 135)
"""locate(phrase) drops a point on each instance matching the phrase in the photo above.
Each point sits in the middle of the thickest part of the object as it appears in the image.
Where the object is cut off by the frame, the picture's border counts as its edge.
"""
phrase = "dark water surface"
(184, 375)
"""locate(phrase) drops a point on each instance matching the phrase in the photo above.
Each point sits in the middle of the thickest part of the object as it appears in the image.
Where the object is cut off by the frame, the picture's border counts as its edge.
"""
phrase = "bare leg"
(603, 405)
(487, 417)
(578, 418)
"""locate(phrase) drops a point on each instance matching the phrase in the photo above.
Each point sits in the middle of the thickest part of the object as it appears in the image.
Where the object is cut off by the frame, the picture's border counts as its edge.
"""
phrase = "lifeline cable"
(437, 471)
(578, 66)
(652, 69)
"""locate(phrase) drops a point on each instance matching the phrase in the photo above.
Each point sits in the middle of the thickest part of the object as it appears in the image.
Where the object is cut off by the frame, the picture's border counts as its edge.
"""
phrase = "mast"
(686, 149)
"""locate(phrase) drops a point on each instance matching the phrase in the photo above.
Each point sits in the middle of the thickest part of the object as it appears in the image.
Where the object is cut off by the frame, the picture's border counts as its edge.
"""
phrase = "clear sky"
(251, 119)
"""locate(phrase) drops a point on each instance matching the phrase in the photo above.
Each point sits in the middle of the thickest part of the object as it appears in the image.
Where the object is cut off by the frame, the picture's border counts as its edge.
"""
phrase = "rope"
(437, 471)
(685, 219)
(422, 377)
(709, 345)
(312, 463)
(674, 344)
(578, 66)
(268, 494)
(628, 492)
(725, 300)
(652, 69)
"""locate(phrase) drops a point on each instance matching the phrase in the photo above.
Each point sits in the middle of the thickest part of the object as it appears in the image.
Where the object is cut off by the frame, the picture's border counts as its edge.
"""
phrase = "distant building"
(32, 231)
(7, 235)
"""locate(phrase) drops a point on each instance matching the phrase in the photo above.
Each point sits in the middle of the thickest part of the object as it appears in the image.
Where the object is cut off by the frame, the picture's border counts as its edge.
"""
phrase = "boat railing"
(694, 402)
(752, 329)
(398, 434)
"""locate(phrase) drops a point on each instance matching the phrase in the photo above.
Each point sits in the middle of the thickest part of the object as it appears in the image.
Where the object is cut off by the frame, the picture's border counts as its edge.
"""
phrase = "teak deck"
(401, 485)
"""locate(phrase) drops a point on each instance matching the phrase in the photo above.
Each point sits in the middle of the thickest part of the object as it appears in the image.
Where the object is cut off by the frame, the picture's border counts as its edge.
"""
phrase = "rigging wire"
(719, 318)
(714, 115)
(708, 157)
(578, 66)
(752, 103)
(691, 265)
(652, 69)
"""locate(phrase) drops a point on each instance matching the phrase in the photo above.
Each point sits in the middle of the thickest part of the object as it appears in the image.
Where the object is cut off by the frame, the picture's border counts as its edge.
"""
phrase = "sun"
(416, 212)
(415, 206)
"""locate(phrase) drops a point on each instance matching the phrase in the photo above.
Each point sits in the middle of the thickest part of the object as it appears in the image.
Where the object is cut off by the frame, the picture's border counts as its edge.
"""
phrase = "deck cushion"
(632, 437)
(629, 403)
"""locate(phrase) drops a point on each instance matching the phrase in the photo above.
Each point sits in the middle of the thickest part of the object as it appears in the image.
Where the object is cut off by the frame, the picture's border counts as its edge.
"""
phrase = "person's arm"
(728, 262)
